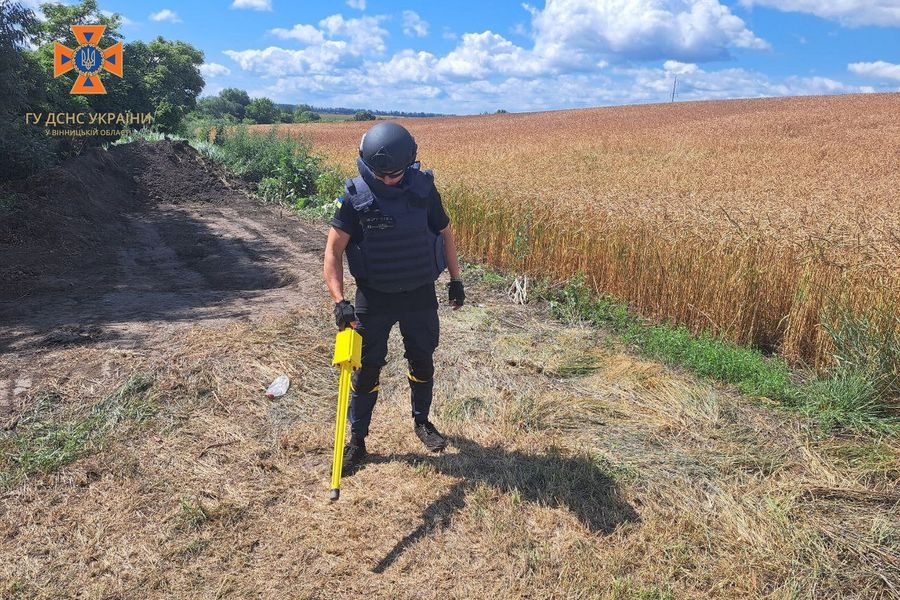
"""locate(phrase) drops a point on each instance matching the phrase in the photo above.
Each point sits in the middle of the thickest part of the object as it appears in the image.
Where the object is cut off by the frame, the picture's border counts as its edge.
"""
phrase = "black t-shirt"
(370, 300)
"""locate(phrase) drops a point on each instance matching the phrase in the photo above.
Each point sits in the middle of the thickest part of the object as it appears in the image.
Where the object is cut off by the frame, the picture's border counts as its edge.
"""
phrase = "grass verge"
(285, 169)
(854, 395)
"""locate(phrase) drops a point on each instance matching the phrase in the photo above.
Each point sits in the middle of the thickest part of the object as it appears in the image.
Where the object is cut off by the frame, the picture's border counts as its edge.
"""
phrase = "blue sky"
(468, 57)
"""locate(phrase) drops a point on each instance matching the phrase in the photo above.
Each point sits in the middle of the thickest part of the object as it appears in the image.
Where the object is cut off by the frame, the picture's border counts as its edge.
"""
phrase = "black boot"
(430, 436)
(354, 455)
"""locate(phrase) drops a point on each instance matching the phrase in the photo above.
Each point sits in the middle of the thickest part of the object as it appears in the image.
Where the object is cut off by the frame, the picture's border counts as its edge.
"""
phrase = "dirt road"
(125, 247)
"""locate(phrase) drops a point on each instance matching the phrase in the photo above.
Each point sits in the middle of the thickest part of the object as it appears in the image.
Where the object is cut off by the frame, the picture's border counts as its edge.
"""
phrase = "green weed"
(284, 168)
(579, 364)
(624, 589)
(144, 135)
(52, 435)
(195, 548)
(847, 400)
(478, 272)
(465, 408)
(868, 345)
(193, 512)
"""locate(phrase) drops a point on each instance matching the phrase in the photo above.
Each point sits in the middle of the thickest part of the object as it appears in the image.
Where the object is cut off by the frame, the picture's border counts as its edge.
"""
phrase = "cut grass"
(848, 398)
(681, 490)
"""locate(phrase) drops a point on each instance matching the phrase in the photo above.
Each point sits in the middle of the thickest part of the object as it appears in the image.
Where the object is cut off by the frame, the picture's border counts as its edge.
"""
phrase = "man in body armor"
(397, 237)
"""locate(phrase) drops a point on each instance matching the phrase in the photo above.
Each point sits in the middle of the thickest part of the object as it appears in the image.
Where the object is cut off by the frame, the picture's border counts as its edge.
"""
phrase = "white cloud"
(405, 66)
(365, 35)
(679, 68)
(364, 40)
(425, 88)
(483, 55)
(214, 70)
(276, 62)
(583, 35)
(414, 25)
(253, 4)
(573, 33)
(655, 85)
(304, 33)
(848, 12)
(165, 15)
(519, 29)
(357, 4)
(878, 69)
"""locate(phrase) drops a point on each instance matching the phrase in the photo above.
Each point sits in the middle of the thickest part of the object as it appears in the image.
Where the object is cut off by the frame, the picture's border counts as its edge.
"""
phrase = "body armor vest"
(398, 251)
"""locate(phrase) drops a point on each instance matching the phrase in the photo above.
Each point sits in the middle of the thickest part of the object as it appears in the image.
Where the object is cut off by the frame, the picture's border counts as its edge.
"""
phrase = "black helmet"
(387, 148)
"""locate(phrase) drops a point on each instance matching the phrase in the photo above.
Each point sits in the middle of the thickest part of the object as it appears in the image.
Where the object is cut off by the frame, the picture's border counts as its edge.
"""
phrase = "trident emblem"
(88, 55)
(87, 59)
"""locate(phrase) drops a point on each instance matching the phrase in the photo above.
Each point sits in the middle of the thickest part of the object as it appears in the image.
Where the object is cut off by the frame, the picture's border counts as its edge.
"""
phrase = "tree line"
(233, 105)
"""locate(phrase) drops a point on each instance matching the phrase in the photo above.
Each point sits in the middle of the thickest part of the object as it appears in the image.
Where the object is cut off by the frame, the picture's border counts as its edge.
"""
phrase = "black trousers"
(420, 332)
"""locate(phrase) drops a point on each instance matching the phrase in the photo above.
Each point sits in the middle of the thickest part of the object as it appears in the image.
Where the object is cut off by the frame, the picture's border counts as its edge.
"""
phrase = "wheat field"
(758, 220)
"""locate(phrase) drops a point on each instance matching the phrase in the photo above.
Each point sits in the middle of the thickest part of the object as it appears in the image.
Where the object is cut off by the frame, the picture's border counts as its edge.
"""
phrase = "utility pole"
(673, 88)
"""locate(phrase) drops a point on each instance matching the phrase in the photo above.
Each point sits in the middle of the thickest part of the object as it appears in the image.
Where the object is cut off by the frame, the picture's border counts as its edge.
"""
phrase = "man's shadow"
(550, 479)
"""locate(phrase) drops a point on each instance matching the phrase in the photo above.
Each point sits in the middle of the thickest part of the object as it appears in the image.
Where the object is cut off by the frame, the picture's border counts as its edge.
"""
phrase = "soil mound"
(174, 172)
(62, 216)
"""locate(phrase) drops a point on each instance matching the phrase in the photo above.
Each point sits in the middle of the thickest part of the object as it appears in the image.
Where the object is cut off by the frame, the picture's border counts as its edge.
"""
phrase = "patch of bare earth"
(575, 469)
(121, 249)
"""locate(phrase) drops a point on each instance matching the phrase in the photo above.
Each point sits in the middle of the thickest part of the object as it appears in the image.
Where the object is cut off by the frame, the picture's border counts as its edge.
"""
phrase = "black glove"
(343, 314)
(456, 292)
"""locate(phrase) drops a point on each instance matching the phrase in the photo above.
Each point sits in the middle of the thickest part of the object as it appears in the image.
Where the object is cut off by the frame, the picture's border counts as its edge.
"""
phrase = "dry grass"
(575, 471)
(748, 218)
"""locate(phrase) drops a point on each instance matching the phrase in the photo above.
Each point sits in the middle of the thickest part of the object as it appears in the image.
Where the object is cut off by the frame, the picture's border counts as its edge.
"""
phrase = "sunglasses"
(392, 174)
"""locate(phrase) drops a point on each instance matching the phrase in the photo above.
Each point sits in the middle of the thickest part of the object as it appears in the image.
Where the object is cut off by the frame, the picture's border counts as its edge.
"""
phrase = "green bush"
(270, 189)
(329, 185)
(364, 115)
(284, 168)
(256, 155)
(308, 116)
